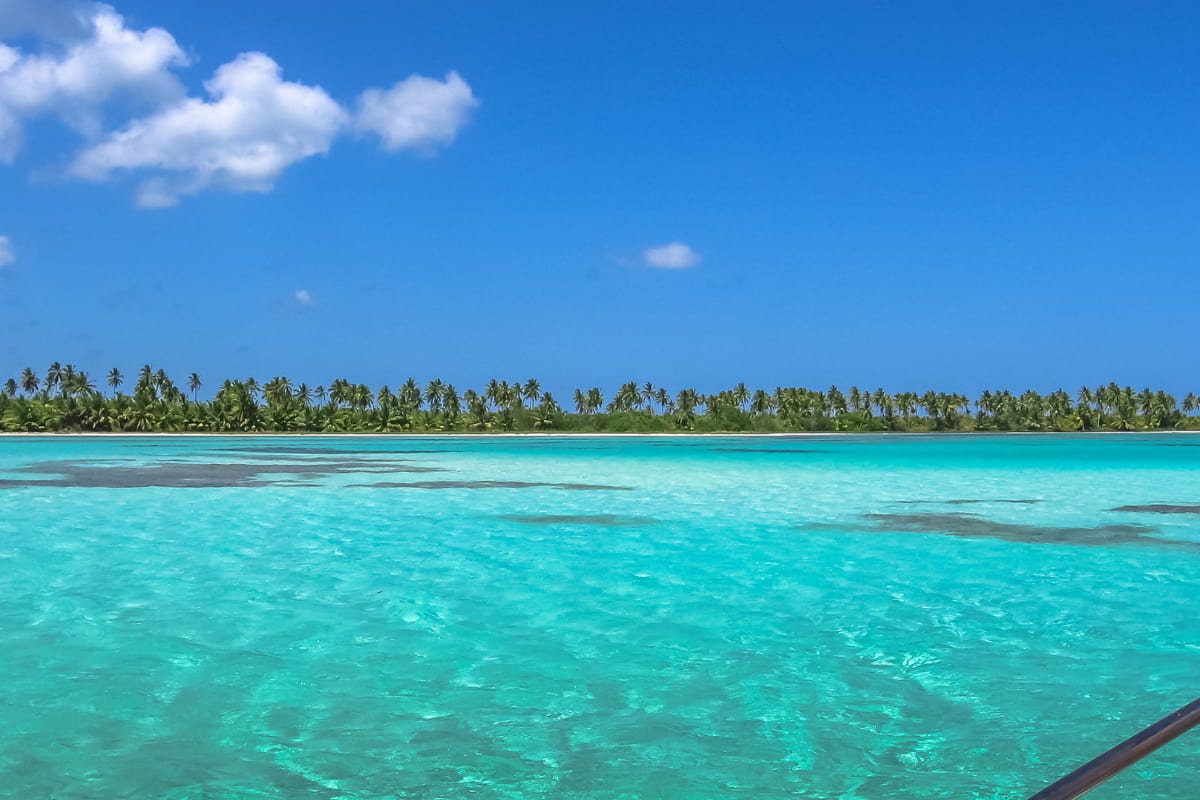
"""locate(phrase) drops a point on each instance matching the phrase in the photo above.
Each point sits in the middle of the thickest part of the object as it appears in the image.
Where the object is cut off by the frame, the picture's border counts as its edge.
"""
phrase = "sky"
(930, 195)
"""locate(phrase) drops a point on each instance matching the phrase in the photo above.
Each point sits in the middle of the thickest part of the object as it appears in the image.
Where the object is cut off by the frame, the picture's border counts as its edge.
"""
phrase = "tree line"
(66, 398)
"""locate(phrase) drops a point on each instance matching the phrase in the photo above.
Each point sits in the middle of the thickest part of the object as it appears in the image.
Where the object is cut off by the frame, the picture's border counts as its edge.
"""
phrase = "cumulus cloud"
(254, 127)
(675, 255)
(6, 252)
(249, 128)
(417, 113)
(110, 61)
(303, 297)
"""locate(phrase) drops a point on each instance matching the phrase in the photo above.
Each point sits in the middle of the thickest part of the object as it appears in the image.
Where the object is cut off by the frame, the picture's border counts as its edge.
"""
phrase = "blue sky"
(910, 196)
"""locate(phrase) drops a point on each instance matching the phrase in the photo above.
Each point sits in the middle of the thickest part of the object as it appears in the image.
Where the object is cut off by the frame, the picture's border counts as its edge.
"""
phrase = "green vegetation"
(67, 399)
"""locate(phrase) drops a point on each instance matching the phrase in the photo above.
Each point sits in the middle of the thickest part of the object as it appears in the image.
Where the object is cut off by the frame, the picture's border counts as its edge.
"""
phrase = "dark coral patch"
(383, 459)
(975, 527)
(605, 520)
(189, 474)
(965, 502)
(766, 450)
(321, 451)
(1159, 508)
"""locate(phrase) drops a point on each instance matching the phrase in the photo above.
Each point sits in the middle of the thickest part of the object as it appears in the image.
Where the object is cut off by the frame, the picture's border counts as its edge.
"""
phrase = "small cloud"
(156, 193)
(417, 113)
(6, 252)
(675, 255)
(303, 297)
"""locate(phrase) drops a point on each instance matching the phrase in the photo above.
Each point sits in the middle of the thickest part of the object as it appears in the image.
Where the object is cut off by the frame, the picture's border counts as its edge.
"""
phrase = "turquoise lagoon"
(593, 617)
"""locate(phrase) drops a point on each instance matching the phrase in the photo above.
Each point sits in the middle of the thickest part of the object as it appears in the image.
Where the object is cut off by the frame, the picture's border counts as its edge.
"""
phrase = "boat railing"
(1128, 752)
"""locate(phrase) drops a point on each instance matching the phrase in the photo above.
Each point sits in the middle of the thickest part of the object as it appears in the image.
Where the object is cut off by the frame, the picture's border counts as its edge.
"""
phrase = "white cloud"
(88, 67)
(110, 61)
(303, 297)
(675, 255)
(255, 126)
(418, 112)
(6, 252)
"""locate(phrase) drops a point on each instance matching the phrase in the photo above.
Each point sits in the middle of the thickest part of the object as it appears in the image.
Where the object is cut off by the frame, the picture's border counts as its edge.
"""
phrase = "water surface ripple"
(827, 617)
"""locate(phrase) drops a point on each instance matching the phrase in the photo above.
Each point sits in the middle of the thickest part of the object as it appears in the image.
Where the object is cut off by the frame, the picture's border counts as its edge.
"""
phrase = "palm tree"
(53, 377)
(1032, 408)
(930, 401)
(277, 391)
(451, 407)
(433, 394)
(836, 400)
(686, 401)
(194, 385)
(66, 378)
(115, 378)
(339, 392)
(409, 395)
(1145, 401)
(512, 398)
(741, 396)
(532, 391)
(477, 408)
(145, 381)
(29, 381)
(1125, 416)
(761, 403)
(546, 415)
(361, 397)
(78, 384)
(627, 398)
(986, 404)
(1165, 410)
(885, 403)
(494, 393)
(1059, 403)
(10, 388)
(595, 400)
(857, 400)
(647, 395)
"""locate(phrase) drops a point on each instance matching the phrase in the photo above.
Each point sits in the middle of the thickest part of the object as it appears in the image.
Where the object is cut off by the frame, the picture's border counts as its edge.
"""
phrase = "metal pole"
(1133, 749)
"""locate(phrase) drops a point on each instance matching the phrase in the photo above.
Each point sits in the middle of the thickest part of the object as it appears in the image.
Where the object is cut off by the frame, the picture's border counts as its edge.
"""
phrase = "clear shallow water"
(660, 618)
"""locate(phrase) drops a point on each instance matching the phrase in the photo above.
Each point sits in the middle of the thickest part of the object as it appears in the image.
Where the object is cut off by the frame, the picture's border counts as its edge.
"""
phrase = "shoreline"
(569, 434)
